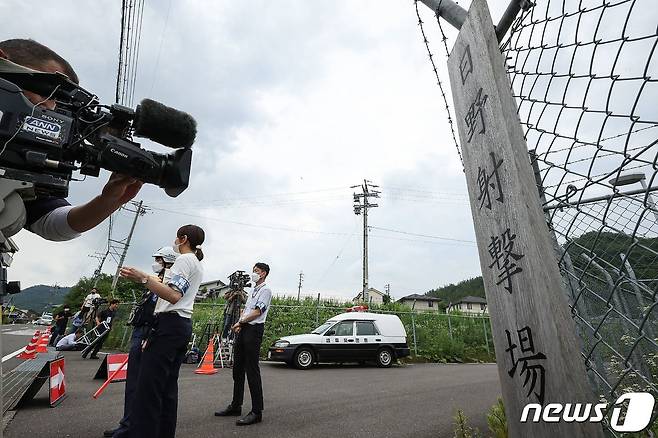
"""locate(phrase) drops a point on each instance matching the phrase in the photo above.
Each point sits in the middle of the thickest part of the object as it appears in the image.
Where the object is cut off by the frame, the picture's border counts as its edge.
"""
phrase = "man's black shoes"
(230, 411)
(109, 433)
(250, 418)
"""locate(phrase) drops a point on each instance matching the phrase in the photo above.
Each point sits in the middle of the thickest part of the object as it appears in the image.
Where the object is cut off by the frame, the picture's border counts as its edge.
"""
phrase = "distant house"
(421, 302)
(212, 289)
(374, 297)
(472, 305)
(19, 316)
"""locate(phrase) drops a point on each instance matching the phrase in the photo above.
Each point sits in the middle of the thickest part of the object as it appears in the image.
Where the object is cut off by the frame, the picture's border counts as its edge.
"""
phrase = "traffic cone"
(42, 345)
(30, 351)
(207, 366)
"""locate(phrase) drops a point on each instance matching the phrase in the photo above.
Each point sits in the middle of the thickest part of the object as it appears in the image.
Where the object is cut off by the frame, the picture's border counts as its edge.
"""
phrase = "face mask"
(176, 248)
(255, 277)
(157, 267)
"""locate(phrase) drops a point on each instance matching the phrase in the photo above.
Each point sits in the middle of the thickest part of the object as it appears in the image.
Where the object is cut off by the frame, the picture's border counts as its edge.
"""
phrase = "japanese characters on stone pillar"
(534, 334)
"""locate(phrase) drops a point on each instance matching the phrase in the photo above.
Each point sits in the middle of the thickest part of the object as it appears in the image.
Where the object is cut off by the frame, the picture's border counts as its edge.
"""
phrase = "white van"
(348, 337)
(45, 319)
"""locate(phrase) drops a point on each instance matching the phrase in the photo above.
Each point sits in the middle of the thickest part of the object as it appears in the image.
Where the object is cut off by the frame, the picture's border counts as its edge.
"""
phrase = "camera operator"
(235, 298)
(88, 303)
(142, 320)
(61, 321)
(155, 407)
(50, 217)
(107, 316)
(249, 330)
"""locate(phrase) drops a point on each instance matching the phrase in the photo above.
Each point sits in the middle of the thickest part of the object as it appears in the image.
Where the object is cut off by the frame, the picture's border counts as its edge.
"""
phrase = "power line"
(269, 227)
(431, 242)
(264, 195)
(340, 252)
(424, 190)
(421, 235)
(157, 58)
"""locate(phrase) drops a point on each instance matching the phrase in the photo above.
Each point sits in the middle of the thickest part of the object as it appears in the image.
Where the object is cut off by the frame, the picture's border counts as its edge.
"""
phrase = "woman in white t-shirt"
(156, 400)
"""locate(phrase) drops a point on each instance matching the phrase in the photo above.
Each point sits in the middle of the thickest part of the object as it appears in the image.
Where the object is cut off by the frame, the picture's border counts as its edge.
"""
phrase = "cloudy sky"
(295, 101)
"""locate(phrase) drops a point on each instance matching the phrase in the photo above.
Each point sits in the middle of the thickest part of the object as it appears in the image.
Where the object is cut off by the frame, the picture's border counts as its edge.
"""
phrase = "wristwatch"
(145, 280)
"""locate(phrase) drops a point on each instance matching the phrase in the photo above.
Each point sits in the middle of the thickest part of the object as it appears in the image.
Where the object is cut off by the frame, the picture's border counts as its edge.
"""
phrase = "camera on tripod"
(43, 147)
(97, 302)
(239, 280)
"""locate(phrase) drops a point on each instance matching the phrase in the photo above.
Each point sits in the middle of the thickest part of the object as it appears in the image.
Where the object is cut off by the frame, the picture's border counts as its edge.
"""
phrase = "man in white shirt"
(249, 330)
(88, 303)
(69, 342)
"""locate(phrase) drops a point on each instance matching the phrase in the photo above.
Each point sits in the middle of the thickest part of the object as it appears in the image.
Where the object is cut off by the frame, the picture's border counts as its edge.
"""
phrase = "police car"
(348, 337)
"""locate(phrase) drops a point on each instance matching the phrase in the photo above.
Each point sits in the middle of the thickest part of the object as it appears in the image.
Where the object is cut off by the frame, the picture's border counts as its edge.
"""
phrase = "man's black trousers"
(245, 361)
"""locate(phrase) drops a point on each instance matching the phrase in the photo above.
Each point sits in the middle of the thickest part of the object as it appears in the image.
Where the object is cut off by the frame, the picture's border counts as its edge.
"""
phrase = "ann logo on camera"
(42, 127)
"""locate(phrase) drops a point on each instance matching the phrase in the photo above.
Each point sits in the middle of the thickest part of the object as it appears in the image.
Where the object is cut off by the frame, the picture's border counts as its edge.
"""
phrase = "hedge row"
(438, 337)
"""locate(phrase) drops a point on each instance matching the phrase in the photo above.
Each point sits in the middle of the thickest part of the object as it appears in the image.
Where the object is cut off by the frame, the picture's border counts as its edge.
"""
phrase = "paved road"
(404, 401)
(15, 337)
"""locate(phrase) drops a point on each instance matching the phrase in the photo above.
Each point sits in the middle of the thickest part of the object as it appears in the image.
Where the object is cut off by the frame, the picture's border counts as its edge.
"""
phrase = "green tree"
(124, 291)
(452, 293)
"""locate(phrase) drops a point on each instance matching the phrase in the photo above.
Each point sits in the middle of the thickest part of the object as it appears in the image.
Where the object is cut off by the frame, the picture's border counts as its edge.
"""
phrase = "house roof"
(471, 299)
(219, 283)
(371, 290)
(419, 297)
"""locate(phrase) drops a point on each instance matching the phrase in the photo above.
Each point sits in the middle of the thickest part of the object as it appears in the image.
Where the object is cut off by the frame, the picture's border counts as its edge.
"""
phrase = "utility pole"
(362, 205)
(299, 287)
(139, 211)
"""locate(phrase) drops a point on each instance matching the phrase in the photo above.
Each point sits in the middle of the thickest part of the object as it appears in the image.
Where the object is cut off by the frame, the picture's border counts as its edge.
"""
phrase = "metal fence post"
(413, 328)
(486, 338)
(449, 327)
(123, 339)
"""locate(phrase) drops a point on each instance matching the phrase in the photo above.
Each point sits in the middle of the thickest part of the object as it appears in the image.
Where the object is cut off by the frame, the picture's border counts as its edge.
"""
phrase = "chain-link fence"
(585, 75)
(431, 336)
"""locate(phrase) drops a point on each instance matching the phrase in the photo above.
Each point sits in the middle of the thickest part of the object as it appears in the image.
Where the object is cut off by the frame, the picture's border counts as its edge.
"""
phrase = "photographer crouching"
(249, 330)
(155, 407)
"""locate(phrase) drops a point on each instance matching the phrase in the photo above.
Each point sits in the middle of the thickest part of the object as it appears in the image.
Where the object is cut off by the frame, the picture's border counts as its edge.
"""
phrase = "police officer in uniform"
(141, 319)
(154, 409)
(249, 330)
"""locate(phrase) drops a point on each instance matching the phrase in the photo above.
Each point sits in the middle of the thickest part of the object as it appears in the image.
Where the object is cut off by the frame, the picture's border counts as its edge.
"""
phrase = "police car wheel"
(304, 358)
(384, 358)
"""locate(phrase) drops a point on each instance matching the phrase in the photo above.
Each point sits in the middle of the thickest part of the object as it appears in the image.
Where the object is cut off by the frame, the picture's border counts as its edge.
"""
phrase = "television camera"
(239, 280)
(40, 148)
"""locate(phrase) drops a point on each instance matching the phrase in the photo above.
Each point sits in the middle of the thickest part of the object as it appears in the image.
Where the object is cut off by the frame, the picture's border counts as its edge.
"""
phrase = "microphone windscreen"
(164, 125)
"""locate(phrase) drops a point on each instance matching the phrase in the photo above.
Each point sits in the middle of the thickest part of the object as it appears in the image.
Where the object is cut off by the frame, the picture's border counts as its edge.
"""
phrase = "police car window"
(322, 328)
(345, 328)
(365, 328)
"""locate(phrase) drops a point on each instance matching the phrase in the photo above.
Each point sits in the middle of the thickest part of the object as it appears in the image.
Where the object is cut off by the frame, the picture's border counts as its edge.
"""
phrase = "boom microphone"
(164, 125)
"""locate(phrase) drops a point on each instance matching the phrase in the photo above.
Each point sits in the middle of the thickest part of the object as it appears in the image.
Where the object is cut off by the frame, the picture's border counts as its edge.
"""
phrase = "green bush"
(497, 421)
(287, 316)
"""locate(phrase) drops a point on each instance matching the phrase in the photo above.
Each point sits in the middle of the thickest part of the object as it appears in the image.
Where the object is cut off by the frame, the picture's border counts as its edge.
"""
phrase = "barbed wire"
(438, 79)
